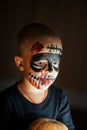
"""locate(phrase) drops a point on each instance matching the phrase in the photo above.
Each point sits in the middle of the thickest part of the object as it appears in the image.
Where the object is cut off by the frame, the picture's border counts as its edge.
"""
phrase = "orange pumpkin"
(47, 124)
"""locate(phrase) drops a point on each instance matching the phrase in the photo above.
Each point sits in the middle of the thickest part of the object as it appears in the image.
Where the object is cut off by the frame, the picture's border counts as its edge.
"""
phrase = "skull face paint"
(43, 65)
(47, 64)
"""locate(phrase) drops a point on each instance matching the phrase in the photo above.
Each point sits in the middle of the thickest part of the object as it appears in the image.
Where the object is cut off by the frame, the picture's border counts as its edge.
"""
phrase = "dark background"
(69, 19)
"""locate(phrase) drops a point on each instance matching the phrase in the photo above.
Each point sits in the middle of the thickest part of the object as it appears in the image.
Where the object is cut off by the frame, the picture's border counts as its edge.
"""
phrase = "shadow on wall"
(79, 119)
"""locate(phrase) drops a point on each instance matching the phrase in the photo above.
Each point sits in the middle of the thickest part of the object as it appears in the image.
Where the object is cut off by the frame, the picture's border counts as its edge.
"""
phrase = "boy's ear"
(19, 63)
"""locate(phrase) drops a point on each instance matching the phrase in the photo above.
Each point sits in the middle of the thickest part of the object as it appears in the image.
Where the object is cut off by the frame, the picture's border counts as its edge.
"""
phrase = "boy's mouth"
(45, 81)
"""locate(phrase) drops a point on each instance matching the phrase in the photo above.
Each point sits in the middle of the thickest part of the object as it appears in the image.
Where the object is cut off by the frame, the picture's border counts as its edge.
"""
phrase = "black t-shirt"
(16, 112)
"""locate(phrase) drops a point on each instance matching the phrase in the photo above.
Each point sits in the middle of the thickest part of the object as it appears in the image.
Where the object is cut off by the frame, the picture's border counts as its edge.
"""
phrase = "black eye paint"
(50, 57)
(37, 68)
(50, 68)
(56, 68)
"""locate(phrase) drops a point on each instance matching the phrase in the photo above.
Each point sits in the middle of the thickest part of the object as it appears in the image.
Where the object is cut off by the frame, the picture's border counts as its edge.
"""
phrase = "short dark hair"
(31, 31)
(34, 30)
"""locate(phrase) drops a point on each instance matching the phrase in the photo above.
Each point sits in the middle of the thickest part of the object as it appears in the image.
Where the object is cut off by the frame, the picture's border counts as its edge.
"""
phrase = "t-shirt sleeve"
(64, 114)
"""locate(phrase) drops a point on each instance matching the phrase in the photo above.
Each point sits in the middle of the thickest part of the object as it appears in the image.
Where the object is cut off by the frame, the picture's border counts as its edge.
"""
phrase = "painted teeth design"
(34, 77)
(43, 77)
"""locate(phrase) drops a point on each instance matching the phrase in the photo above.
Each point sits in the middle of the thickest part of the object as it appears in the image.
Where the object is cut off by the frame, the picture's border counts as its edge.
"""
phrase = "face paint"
(54, 48)
(37, 46)
(41, 61)
(41, 81)
(43, 66)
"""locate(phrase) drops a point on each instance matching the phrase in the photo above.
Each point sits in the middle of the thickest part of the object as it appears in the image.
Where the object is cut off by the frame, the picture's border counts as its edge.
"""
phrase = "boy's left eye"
(55, 64)
(40, 63)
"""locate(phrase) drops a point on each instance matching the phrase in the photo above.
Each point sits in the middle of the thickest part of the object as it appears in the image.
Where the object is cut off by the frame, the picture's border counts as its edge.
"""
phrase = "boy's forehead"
(48, 47)
(43, 45)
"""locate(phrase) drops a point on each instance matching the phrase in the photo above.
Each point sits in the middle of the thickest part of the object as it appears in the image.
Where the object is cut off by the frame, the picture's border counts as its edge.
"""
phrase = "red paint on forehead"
(37, 46)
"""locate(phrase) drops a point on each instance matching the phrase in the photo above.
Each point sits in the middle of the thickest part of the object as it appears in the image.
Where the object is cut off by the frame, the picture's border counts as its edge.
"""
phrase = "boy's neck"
(31, 93)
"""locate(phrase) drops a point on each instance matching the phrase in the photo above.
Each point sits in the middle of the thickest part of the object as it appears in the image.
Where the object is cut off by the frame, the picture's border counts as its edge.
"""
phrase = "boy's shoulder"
(56, 90)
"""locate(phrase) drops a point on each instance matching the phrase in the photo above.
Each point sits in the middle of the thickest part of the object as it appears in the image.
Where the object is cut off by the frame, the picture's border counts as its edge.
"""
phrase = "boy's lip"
(46, 81)
(47, 77)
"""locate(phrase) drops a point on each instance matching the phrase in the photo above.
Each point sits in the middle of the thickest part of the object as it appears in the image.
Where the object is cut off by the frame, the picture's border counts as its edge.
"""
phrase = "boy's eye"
(55, 64)
(40, 63)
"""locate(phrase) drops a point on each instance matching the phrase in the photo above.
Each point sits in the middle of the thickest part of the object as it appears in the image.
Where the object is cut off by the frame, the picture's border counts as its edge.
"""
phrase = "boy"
(39, 54)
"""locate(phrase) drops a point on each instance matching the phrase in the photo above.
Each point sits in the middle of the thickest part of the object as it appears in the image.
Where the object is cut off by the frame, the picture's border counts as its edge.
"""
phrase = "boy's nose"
(50, 69)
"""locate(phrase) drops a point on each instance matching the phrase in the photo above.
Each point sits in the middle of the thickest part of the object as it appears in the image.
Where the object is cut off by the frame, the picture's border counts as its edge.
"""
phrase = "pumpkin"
(47, 124)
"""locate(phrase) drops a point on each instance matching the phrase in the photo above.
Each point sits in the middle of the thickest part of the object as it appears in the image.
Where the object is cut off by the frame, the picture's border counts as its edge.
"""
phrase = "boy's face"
(41, 67)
